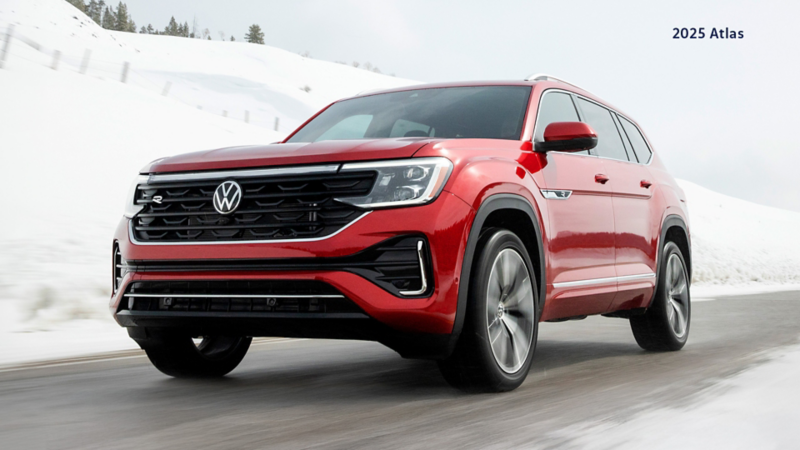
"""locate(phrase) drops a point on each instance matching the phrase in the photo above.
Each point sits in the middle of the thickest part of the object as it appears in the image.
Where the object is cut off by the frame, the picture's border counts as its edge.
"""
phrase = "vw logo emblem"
(227, 197)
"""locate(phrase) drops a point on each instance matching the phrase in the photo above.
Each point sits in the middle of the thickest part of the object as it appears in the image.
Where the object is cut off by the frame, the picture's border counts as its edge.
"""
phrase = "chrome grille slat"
(279, 208)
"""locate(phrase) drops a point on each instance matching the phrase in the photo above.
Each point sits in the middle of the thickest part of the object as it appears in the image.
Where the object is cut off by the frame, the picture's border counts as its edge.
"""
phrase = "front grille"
(237, 296)
(271, 208)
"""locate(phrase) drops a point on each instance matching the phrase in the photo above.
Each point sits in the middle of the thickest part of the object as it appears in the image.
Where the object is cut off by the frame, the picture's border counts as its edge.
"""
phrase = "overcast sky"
(722, 113)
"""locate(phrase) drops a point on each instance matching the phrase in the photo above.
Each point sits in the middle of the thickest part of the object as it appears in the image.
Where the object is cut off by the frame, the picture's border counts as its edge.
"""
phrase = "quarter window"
(637, 140)
(609, 142)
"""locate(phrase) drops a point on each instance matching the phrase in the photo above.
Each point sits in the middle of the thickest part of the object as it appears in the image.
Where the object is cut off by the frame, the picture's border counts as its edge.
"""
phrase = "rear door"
(635, 228)
(581, 273)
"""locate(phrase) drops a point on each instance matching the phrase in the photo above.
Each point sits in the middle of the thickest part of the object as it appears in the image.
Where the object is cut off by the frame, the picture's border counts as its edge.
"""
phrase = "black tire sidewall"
(492, 242)
(175, 354)
(652, 330)
(662, 300)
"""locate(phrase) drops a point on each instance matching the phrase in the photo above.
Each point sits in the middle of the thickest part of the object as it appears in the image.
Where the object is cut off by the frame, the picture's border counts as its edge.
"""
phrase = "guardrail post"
(277, 123)
(87, 54)
(56, 57)
(224, 113)
(165, 91)
(125, 68)
(246, 116)
(6, 44)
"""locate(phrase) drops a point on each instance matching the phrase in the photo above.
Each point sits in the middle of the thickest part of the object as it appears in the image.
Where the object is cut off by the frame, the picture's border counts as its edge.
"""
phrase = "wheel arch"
(513, 212)
(674, 229)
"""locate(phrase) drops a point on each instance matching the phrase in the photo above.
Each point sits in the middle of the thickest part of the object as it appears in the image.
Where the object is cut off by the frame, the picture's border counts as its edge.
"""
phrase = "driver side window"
(555, 107)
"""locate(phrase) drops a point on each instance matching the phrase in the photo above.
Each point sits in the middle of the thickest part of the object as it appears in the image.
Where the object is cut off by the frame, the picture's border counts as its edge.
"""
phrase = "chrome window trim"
(273, 241)
(594, 281)
(538, 110)
(244, 173)
(424, 287)
(644, 138)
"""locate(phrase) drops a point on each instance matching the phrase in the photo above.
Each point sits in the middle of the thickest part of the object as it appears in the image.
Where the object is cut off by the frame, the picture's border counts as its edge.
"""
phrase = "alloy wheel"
(677, 295)
(510, 311)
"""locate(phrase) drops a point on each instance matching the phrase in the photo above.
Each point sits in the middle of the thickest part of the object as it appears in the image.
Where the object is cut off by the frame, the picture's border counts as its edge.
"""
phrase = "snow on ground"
(754, 409)
(70, 143)
(75, 140)
(215, 75)
(735, 242)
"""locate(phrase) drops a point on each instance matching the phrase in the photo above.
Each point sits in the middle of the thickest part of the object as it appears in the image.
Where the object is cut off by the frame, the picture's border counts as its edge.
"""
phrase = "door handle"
(600, 178)
(645, 184)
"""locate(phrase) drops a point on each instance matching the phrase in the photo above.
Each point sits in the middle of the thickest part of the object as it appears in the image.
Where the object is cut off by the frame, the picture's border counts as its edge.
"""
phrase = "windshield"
(491, 112)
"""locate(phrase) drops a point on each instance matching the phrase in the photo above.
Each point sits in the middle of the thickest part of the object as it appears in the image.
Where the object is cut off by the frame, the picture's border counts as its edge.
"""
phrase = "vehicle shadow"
(352, 373)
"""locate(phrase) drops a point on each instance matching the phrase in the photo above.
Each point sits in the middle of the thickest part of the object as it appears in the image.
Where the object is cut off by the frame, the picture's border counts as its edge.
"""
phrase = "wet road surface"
(336, 394)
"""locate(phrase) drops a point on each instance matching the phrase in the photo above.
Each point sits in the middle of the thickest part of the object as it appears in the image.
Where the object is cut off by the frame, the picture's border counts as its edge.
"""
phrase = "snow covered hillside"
(216, 76)
(736, 242)
(70, 143)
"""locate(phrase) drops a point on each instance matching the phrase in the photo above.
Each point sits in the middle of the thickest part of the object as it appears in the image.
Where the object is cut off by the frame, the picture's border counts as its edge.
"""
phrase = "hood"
(289, 154)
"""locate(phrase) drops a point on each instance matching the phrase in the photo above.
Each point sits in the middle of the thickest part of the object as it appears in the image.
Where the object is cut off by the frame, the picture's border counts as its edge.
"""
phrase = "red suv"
(444, 221)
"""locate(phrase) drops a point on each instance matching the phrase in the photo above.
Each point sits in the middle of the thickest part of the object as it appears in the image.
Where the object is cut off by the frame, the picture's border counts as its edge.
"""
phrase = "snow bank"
(754, 409)
(735, 242)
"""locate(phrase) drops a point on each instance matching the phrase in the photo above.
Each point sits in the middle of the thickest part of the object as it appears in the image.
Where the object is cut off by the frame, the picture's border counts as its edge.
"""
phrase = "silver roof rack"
(546, 77)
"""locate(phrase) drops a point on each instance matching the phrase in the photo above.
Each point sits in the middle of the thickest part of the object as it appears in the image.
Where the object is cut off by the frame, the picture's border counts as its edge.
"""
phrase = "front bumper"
(443, 224)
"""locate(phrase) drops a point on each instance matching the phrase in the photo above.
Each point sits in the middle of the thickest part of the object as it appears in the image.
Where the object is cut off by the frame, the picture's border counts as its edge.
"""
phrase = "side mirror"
(567, 137)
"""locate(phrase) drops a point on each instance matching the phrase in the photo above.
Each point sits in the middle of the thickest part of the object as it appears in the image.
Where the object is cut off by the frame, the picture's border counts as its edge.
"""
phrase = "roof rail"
(546, 77)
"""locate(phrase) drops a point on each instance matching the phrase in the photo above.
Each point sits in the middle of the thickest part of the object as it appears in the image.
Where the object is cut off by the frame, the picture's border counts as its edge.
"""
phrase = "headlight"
(401, 183)
(131, 208)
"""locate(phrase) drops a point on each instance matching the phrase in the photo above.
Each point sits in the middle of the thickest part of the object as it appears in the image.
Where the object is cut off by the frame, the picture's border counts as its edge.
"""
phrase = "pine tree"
(254, 35)
(232, 38)
(185, 30)
(172, 27)
(121, 17)
(94, 10)
(143, 30)
(78, 4)
(150, 29)
(109, 19)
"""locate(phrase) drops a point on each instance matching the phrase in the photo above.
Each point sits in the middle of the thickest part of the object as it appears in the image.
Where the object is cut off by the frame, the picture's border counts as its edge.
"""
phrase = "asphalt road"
(327, 394)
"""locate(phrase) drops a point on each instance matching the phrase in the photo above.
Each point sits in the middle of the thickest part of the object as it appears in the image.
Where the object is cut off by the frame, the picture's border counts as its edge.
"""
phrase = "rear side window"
(609, 142)
(640, 147)
(555, 107)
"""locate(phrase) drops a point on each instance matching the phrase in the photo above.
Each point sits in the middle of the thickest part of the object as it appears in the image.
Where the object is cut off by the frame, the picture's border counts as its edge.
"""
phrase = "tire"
(178, 356)
(497, 343)
(665, 324)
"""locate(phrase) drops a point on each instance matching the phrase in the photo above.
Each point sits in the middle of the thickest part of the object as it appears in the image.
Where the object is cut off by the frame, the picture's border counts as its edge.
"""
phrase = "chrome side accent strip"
(594, 281)
(424, 286)
(273, 241)
(244, 173)
(231, 296)
(555, 194)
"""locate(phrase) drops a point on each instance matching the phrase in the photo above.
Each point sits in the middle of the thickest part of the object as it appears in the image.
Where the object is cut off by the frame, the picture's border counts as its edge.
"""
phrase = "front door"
(581, 276)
